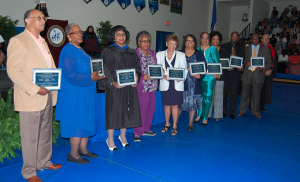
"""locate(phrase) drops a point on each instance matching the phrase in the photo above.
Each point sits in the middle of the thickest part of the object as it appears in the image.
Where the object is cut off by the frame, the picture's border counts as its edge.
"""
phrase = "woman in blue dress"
(211, 55)
(193, 83)
(76, 102)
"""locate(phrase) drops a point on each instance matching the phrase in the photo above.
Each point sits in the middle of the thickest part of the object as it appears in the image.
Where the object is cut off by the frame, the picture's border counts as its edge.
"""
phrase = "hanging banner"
(124, 3)
(139, 4)
(153, 6)
(176, 6)
(107, 2)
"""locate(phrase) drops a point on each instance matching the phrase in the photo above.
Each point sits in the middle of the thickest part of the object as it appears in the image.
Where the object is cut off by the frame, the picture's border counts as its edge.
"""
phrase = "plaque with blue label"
(126, 77)
(48, 78)
(155, 71)
(236, 62)
(214, 68)
(97, 65)
(225, 63)
(176, 74)
(257, 62)
(197, 68)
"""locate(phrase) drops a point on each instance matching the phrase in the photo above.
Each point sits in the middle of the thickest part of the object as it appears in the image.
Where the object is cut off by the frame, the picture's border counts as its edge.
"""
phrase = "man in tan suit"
(26, 51)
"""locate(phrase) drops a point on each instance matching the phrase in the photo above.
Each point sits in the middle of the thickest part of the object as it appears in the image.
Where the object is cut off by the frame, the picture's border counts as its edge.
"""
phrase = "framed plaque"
(126, 77)
(97, 65)
(48, 78)
(214, 68)
(257, 62)
(155, 71)
(225, 63)
(236, 62)
(197, 68)
(176, 74)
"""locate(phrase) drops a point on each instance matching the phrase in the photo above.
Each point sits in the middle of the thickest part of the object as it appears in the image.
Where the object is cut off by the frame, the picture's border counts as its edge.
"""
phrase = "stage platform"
(243, 150)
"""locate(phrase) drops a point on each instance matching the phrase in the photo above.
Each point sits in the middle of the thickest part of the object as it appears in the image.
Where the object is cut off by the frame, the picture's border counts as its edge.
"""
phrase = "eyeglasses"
(265, 38)
(189, 41)
(145, 41)
(204, 38)
(77, 33)
(119, 35)
(40, 18)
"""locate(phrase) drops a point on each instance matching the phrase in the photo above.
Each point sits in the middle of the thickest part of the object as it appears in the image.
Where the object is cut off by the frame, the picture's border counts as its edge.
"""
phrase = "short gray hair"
(26, 15)
(140, 34)
(68, 27)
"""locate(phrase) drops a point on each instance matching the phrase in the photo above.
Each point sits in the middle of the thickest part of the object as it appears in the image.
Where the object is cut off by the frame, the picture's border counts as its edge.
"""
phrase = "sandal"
(174, 131)
(165, 129)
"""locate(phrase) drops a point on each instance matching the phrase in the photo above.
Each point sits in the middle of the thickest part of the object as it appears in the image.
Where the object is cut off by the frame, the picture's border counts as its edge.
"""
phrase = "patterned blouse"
(151, 85)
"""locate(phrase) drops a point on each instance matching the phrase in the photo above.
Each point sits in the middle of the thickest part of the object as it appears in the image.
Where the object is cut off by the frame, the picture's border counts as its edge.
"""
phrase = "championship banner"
(139, 4)
(124, 3)
(153, 6)
(107, 2)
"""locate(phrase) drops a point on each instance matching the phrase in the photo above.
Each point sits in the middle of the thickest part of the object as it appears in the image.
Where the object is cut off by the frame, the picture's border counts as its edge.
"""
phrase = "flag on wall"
(107, 2)
(124, 3)
(213, 25)
(139, 4)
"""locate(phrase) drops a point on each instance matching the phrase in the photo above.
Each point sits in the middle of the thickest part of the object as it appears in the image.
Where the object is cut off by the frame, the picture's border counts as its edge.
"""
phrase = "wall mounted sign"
(56, 36)
(176, 6)
(139, 4)
(107, 2)
(153, 6)
(124, 3)
(165, 2)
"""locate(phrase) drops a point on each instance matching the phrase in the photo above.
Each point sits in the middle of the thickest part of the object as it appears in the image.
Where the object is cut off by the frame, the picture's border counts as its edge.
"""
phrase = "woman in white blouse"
(283, 60)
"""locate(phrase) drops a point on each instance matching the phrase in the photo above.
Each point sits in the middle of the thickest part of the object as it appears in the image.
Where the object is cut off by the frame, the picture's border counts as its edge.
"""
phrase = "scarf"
(116, 45)
(272, 52)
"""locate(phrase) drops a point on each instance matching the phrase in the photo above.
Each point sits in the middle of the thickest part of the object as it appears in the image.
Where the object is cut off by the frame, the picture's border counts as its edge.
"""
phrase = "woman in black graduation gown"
(122, 109)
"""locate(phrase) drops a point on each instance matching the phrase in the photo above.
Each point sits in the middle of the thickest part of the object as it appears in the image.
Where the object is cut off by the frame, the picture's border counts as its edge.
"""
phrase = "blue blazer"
(198, 83)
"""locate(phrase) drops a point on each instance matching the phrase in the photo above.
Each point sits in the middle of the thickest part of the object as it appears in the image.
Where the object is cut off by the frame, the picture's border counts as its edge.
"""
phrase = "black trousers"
(231, 82)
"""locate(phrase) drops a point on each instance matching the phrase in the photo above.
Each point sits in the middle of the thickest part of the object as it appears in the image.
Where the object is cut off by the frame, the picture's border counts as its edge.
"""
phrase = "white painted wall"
(260, 11)
(281, 5)
(236, 23)
(223, 20)
(193, 20)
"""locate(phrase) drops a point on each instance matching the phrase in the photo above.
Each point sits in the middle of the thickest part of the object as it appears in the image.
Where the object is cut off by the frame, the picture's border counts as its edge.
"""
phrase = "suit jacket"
(23, 56)
(180, 62)
(258, 76)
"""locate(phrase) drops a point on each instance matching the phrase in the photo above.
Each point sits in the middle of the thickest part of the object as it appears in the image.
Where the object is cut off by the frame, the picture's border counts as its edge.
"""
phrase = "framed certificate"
(126, 77)
(257, 62)
(155, 71)
(97, 65)
(225, 63)
(214, 68)
(48, 78)
(197, 68)
(236, 62)
(176, 74)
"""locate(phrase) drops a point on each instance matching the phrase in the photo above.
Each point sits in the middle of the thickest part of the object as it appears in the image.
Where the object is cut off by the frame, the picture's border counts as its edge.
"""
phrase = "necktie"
(233, 51)
(254, 55)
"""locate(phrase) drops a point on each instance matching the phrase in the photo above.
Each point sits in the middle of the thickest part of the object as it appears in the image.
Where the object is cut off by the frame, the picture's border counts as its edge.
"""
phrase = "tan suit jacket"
(23, 55)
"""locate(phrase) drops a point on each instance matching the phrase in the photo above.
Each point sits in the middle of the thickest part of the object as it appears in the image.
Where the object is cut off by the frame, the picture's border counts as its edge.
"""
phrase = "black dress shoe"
(190, 128)
(224, 115)
(264, 110)
(80, 160)
(204, 124)
(89, 155)
(232, 117)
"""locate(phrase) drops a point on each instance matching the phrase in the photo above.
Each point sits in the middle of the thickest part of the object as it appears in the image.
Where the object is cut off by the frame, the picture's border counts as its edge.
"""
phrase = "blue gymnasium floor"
(242, 150)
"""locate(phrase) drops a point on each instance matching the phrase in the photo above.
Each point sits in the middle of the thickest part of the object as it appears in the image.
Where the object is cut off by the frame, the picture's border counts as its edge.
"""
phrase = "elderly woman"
(146, 88)
(76, 102)
(208, 83)
(122, 108)
(193, 83)
(217, 104)
(171, 90)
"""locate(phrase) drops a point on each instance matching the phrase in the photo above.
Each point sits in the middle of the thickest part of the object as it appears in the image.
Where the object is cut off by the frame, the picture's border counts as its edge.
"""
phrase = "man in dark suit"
(232, 77)
(254, 78)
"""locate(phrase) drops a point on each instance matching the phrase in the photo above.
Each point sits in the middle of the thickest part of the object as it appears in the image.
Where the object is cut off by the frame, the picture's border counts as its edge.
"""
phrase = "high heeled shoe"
(124, 144)
(113, 148)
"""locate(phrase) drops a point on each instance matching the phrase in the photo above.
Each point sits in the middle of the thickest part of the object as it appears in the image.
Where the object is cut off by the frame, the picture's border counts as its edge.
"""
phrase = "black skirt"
(172, 96)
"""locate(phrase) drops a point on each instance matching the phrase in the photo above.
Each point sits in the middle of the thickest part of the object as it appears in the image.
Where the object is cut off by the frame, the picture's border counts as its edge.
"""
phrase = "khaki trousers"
(36, 139)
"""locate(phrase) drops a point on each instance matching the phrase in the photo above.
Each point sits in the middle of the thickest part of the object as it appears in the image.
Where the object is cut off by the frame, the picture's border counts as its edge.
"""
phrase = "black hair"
(235, 32)
(184, 39)
(283, 51)
(214, 33)
(297, 51)
(111, 33)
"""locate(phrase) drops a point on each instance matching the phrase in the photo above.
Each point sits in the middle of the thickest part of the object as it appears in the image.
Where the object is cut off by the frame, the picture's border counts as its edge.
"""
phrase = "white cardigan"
(180, 62)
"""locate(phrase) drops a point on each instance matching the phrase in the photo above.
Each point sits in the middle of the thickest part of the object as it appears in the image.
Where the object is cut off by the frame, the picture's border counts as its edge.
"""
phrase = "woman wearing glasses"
(193, 83)
(76, 101)
(146, 88)
(122, 108)
(211, 54)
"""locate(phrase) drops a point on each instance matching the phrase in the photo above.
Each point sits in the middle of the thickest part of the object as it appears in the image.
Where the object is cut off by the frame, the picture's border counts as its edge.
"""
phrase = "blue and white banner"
(124, 3)
(153, 6)
(139, 4)
(213, 26)
(107, 2)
